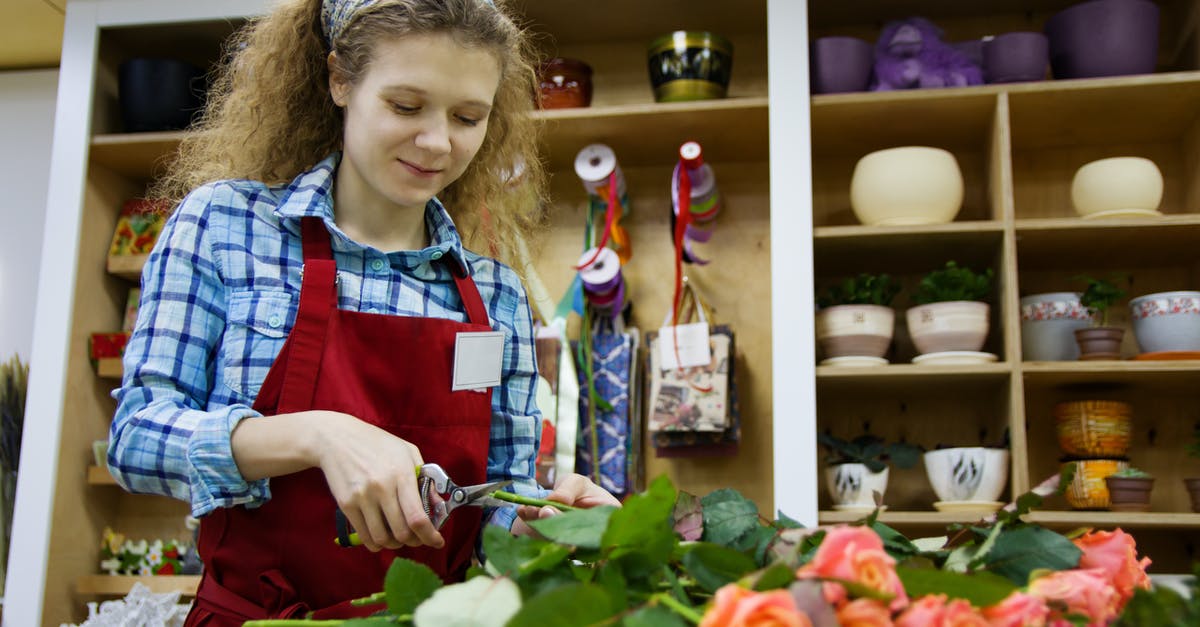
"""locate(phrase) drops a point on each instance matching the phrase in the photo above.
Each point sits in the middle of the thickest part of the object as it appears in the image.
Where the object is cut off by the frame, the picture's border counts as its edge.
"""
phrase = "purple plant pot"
(840, 64)
(1015, 57)
(1104, 38)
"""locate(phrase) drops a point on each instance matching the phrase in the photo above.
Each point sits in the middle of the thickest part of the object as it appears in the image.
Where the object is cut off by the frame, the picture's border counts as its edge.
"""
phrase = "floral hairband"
(337, 14)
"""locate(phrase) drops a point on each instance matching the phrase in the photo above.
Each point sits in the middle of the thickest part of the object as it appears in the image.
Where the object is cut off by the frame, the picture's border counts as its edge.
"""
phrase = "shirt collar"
(311, 194)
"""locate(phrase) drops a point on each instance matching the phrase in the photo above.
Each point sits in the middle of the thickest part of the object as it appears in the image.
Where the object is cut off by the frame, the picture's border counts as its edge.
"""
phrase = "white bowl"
(957, 325)
(1166, 321)
(855, 484)
(855, 330)
(1048, 323)
(906, 185)
(1117, 184)
(970, 473)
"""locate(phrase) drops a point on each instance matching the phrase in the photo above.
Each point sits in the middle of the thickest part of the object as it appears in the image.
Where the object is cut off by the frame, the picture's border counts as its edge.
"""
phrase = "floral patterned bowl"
(1166, 321)
(1048, 323)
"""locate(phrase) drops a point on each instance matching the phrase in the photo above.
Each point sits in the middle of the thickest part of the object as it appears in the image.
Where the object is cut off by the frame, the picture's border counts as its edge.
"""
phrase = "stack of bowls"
(1095, 436)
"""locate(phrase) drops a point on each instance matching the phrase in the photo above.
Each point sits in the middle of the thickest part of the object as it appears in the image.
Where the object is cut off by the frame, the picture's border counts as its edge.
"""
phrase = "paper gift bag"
(604, 434)
(679, 443)
(689, 374)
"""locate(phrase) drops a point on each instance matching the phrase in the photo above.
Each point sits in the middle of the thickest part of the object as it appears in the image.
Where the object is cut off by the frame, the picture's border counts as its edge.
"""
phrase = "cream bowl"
(906, 185)
(1117, 184)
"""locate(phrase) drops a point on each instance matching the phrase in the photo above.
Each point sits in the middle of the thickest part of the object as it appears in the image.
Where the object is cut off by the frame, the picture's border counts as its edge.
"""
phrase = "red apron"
(279, 560)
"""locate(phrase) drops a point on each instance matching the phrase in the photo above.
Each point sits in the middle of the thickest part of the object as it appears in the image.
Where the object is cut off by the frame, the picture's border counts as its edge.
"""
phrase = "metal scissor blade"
(480, 495)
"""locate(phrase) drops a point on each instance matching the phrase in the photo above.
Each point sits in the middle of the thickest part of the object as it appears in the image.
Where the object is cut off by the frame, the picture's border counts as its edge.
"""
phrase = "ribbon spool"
(594, 165)
(703, 201)
(603, 283)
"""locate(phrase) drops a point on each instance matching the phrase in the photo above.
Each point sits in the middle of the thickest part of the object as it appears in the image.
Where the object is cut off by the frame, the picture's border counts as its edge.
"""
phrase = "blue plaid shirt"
(219, 295)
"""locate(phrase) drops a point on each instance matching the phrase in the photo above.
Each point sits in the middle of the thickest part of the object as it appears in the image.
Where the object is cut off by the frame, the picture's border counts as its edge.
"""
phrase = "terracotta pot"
(1088, 489)
(1129, 494)
(1193, 486)
(1094, 428)
(1099, 342)
(855, 330)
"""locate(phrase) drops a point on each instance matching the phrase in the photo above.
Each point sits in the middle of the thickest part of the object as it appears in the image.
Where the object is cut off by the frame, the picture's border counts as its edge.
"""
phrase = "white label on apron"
(477, 360)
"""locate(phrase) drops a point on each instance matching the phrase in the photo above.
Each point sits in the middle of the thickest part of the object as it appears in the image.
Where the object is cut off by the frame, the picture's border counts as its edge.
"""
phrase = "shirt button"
(437, 254)
(377, 265)
(275, 321)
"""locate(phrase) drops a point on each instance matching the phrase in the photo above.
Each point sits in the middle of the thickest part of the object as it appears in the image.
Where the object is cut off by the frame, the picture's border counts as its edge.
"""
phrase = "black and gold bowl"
(690, 65)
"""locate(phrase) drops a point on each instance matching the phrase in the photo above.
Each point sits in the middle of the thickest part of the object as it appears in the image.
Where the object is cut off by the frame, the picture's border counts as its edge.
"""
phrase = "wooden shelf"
(110, 368)
(924, 519)
(1177, 375)
(99, 475)
(850, 249)
(135, 155)
(127, 267)
(830, 14)
(957, 119)
(650, 134)
(1066, 243)
(1070, 519)
(909, 379)
(119, 585)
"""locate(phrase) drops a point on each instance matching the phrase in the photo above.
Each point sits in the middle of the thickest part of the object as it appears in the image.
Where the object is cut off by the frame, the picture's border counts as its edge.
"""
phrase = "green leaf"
(1159, 606)
(713, 566)
(407, 584)
(643, 518)
(784, 521)
(582, 527)
(479, 602)
(653, 616)
(774, 577)
(575, 605)
(981, 589)
(728, 516)
(612, 579)
(370, 621)
(1019, 552)
(894, 542)
(688, 516)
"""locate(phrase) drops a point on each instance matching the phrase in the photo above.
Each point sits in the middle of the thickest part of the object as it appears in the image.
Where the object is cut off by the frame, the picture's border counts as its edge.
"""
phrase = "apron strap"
(469, 294)
(318, 299)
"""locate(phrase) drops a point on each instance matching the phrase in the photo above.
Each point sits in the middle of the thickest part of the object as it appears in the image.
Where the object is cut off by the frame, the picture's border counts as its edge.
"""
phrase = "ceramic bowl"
(1094, 428)
(855, 484)
(950, 326)
(1048, 323)
(1104, 38)
(855, 330)
(906, 185)
(840, 64)
(1088, 489)
(564, 83)
(1015, 57)
(972, 473)
(1166, 321)
(689, 65)
(1117, 184)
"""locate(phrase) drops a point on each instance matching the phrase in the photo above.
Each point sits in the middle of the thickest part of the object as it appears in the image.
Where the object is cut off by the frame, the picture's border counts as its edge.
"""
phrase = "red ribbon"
(614, 206)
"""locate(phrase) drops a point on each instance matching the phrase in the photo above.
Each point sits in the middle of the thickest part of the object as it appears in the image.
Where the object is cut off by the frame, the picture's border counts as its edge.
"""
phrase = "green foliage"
(953, 283)
(1132, 473)
(407, 585)
(869, 450)
(1193, 447)
(981, 589)
(1163, 606)
(1099, 295)
(864, 289)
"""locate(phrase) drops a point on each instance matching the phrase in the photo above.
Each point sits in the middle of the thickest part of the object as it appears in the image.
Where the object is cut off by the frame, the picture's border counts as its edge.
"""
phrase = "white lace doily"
(140, 608)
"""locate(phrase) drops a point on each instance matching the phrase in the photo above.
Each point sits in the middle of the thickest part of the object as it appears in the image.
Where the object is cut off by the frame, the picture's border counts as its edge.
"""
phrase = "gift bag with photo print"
(669, 444)
(689, 375)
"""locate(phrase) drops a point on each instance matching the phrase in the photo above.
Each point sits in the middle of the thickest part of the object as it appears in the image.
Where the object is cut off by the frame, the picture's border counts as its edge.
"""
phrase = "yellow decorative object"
(1088, 490)
(1094, 428)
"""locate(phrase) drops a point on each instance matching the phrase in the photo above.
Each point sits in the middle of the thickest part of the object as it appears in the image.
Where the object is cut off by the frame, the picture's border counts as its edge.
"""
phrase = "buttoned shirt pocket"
(257, 325)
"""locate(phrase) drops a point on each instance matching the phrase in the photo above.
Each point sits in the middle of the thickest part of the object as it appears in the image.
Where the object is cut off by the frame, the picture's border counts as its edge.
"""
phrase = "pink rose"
(734, 606)
(932, 610)
(856, 554)
(1115, 553)
(1085, 592)
(1018, 610)
(864, 613)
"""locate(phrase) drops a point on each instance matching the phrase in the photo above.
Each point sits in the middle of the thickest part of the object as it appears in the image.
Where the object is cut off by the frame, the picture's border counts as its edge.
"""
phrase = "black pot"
(159, 94)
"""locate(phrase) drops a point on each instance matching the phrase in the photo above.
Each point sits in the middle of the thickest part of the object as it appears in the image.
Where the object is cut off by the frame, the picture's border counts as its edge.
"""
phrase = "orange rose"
(864, 613)
(1085, 592)
(856, 554)
(734, 606)
(1115, 552)
(1018, 610)
(933, 611)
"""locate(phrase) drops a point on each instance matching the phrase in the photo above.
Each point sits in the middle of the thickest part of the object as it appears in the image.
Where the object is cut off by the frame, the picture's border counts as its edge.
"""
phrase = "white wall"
(27, 100)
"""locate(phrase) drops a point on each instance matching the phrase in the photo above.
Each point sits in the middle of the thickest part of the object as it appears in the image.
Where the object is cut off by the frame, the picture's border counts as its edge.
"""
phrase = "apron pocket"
(255, 330)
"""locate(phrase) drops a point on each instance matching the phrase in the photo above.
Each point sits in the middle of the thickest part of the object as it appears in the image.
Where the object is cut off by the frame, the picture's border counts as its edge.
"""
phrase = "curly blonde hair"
(270, 115)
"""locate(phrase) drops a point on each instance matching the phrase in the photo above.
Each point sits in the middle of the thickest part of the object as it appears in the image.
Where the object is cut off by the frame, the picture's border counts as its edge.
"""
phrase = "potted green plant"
(858, 469)
(950, 322)
(1193, 483)
(855, 321)
(1100, 341)
(1129, 490)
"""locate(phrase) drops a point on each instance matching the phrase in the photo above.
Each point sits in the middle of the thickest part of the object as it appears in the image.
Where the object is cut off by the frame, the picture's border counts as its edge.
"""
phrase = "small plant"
(1132, 473)
(1098, 296)
(864, 289)
(870, 451)
(1193, 447)
(953, 283)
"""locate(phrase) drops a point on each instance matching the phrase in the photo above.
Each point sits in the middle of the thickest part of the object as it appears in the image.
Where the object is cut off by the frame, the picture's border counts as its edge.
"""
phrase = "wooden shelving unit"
(119, 585)
(1018, 146)
(128, 267)
(109, 368)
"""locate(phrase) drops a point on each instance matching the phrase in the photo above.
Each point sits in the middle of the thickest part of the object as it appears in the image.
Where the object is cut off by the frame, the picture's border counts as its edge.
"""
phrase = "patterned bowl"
(1094, 428)
(1048, 323)
(1166, 321)
(1088, 490)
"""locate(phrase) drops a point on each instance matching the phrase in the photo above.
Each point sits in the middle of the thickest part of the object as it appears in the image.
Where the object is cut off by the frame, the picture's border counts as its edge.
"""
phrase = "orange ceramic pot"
(1094, 428)
(1088, 489)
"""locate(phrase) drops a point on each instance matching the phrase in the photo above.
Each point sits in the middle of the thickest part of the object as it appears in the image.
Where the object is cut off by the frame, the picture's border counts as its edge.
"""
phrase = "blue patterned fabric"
(219, 297)
(611, 362)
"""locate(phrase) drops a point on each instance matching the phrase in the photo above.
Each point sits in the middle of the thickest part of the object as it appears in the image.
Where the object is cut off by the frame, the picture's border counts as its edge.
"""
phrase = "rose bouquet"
(672, 559)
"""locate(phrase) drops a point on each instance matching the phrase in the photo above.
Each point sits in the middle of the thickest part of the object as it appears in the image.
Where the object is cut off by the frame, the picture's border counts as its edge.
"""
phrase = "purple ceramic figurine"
(910, 54)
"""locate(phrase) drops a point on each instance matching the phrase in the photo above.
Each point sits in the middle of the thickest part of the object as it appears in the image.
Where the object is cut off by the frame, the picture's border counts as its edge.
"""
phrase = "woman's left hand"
(575, 490)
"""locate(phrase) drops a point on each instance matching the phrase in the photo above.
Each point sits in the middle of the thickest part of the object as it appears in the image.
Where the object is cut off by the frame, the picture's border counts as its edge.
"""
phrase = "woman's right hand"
(371, 474)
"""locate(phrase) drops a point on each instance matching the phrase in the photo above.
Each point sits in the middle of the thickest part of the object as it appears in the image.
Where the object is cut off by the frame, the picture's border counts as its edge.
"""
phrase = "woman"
(301, 311)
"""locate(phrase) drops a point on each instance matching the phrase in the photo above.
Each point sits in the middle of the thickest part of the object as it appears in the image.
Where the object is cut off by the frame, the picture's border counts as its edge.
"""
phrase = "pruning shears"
(439, 497)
